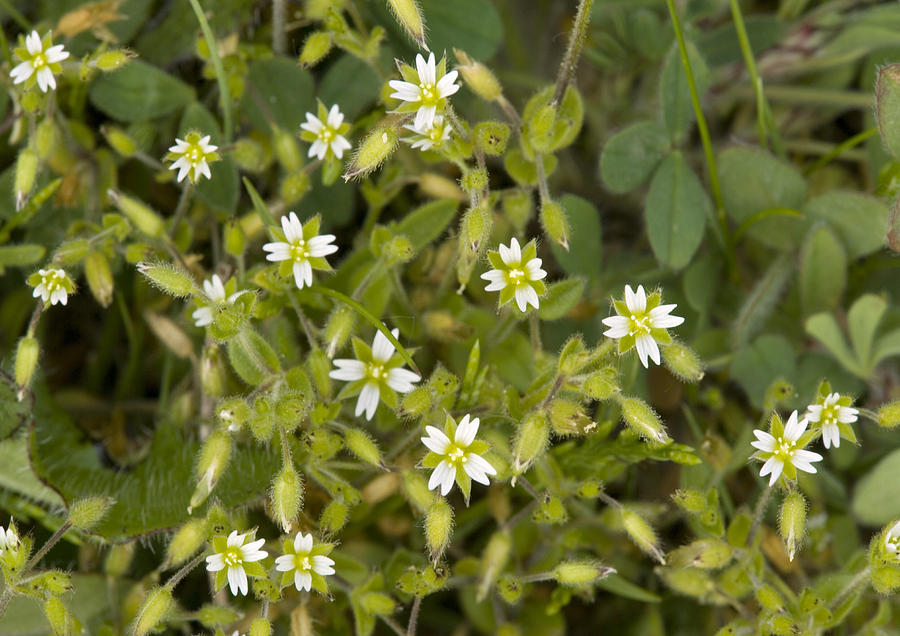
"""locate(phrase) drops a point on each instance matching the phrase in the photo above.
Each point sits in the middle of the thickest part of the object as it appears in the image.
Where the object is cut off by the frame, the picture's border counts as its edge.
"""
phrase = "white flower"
(517, 274)
(641, 323)
(216, 294)
(233, 556)
(302, 250)
(782, 450)
(424, 88)
(892, 540)
(326, 132)
(307, 562)
(830, 412)
(453, 459)
(192, 156)
(376, 374)
(8, 539)
(428, 137)
(51, 284)
(39, 59)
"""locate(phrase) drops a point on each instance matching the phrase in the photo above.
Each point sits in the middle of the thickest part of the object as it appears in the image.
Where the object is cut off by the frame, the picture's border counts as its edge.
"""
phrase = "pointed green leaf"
(631, 155)
(139, 91)
(823, 271)
(824, 328)
(862, 323)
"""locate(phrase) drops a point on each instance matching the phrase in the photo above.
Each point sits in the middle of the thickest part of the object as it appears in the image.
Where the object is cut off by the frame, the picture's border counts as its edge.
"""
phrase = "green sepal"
(220, 544)
(389, 396)
(621, 308)
(847, 432)
(496, 260)
(361, 350)
(478, 447)
(776, 426)
(464, 482)
(255, 569)
(432, 459)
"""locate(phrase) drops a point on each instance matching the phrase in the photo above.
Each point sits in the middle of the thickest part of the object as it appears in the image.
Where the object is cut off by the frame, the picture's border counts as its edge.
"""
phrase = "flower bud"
(286, 496)
(233, 413)
(642, 420)
(339, 328)
(372, 151)
(417, 402)
(212, 371)
(118, 560)
(491, 137)
(260, 627)
(319, 367)
(888, 415)
(475, 229)
(114, 59)
(170, 334)
(692, 501)
(235, 240)
(333, 517)
(46, 138)
(555, 223)
(478, 77)
(167, 278)
(518, 208)
(119, 140)
(286, 150)
(214, 458)
(250, 155)
(262, 421)
(688, 581)
(377, 603)
(26, 173)
(189, 538)
(295, 186)
(440, 187)
(551, 511)
(589, 489)
(706, 554)
(84, 514)
(57, 616)
(410, 18)
(602, 384)
(885, 579)
(316, 47)
(27, 353)
(683, 362)
(531, 441)
(438, 527)
(362, 446)
(580, 573)
(154, 611)
(397, 251)
(510, 588)
(769, 598)
(211, 615)
(641, 533)
(140, 214)
(493, 560)
(415, 487)
(568, 418)
(99, 277)
(792, 522)
(474, 180)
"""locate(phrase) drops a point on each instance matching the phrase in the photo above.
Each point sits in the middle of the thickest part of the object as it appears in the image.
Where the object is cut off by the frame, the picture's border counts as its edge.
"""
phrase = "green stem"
(279, 36)
(414, 616)
(758, 513)
(183, 203)
(573, 50)
(762, 105)
(852, 586)
(52, 541)
(224, 94)
(838, 150)
(183, 572)
(703, 129)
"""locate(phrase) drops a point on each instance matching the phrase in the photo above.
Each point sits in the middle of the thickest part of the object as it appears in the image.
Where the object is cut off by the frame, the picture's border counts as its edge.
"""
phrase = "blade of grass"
(224, 94)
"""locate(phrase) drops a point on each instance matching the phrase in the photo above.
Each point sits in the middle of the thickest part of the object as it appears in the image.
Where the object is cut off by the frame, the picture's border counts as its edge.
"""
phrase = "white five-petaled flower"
(305, 563)
(51, 284)
(191, 156)
(302, 250)
(8, 539)
(782, 449)
(428, 137)
(892, 540)
(233, 558)
(517, 274)
(831, 412)
(376, 374)
(40, 61)
(216, 294)
(326, 132)
(425, 89)
(641, 323)
(458, 459)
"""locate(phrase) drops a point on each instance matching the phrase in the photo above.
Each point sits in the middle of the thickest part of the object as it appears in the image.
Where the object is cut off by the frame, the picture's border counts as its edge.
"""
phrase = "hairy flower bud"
(602, 384)
(99, 277)
(167, 278)
(26, 173)
(493, 560)
(333, 517)
(286, 496)
(888, 416)
(641, 533)
(580, 573)
(531, 441)
(438, 527)
(409, 16)
(260, 627)
(84, 514)
(214, 458)
(554, 223)
(792, 522)
(140, 214)
(316, 47)
(478, 77)
(372, 151)
(339, 328)
(57, 616)
(683, 362)
(642, 419)
(189, 538)
(27, 353)
(363, 447)
(154, 611)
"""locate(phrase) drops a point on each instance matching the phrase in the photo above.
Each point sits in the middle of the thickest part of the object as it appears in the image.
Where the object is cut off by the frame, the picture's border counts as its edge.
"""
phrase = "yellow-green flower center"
(326, 135)
(303, 562)
(456, 455)
(893, 543)
(233, 556)
(516, 276)
(38, 61)
(299, 250)
(376, 371)
(829, 414)
(52, 281)
(640, 324)
(784, 449)
(429, 94)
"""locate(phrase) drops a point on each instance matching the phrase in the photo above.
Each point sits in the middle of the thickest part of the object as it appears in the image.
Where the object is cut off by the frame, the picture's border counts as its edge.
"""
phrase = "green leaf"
(90, 602)
(862, 323)
(584, 256)
(278, 92)
(21, 255)
(139, 91)
(676, 211)
(767, 359)
(761, 302)
(427, 222)
(220, 192)
(631, 155)
(701, 281)
(561, 297)
(887, 107)
(754, 182)
(886, 346)
(674, 94)
(471, 25)
(876, 498)
(823, 271)
(152, 495)
(858, 220)
(352, 96)
(17, 477)
(824, 328)
(626, 589)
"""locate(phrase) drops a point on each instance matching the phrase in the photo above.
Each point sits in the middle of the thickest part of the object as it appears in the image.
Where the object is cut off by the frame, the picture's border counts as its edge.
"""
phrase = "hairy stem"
(224, 94)
(414, 616)
(279, 35)
(758, 513)
(573, 50)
